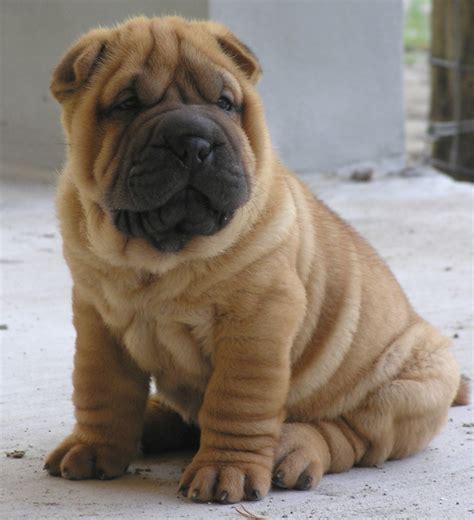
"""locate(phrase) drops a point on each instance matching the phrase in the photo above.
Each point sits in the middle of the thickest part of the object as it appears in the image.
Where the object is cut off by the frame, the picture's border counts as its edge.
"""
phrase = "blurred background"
(346, 83)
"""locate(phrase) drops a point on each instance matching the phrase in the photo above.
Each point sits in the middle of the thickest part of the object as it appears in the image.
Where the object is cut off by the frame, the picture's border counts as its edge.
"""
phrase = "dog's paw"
(224, 482)
(75, 460)
(299, 469)
(298, 463)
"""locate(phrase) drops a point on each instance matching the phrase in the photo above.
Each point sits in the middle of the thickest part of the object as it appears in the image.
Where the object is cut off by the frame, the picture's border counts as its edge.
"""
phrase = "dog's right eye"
(127, 104)
(122, 107)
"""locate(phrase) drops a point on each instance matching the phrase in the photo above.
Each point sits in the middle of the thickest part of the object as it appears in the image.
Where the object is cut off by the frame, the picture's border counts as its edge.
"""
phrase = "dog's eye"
(224, 103)
(127, 104)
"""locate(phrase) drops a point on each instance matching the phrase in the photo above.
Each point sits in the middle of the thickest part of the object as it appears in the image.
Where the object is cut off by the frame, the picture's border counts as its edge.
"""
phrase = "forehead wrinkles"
(199, 72)
(164, 51)
(140, 48)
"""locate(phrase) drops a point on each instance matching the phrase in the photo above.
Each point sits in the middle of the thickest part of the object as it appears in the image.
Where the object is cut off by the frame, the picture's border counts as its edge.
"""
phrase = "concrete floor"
(423, 227)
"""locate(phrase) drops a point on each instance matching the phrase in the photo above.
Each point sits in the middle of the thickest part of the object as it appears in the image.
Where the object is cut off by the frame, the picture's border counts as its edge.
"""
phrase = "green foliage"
(417, 25)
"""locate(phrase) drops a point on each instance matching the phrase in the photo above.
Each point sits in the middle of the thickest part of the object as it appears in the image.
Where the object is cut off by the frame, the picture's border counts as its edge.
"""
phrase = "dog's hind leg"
(395, 421)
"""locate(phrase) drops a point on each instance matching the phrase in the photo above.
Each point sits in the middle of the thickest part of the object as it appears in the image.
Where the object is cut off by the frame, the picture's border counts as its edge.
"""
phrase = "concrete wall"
(331, 84)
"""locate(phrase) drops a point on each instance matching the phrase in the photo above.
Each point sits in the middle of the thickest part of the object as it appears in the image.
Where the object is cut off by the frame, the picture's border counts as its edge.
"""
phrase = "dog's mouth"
(171, 226)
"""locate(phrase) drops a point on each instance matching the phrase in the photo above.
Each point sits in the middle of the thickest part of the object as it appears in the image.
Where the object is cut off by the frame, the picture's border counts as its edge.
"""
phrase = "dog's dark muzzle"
(171, 225)
(182, 176)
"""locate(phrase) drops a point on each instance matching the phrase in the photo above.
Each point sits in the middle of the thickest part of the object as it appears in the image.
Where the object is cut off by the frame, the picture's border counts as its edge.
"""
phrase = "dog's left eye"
(225, 103)
(127, 104)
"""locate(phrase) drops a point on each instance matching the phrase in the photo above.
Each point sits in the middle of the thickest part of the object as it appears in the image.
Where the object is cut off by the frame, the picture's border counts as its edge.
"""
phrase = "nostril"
(203, 150)
(191, 150)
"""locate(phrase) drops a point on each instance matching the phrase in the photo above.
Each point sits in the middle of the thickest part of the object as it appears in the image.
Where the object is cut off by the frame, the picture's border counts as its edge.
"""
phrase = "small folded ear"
(242, 55)
(77, 66)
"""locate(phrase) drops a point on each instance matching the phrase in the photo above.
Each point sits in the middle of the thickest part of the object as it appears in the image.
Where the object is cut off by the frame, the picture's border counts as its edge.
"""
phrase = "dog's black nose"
(190, 149)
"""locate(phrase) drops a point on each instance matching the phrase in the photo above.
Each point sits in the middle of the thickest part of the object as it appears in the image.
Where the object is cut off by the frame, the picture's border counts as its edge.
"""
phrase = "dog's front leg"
(110, 394)
(243, 406)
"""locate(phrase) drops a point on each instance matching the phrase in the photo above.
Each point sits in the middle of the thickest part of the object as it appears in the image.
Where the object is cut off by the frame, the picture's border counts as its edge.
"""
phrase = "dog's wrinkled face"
(154, 112)
(181, 173)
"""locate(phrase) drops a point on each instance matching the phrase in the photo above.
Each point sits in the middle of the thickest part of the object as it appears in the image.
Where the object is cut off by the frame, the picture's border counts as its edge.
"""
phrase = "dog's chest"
(170, 339)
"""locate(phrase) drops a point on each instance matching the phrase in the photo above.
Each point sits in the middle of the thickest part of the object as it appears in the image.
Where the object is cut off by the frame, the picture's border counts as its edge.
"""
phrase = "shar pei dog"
(280, 344)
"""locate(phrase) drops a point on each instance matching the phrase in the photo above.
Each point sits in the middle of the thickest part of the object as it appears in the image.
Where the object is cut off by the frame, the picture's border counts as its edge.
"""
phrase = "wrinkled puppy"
(272, 330)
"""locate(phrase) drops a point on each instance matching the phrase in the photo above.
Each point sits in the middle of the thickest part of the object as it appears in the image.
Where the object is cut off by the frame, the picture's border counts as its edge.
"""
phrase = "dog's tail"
(463, 395)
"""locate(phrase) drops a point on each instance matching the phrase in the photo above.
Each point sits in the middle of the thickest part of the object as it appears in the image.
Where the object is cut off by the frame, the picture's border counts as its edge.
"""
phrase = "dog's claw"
(304, 482)
(183, 490)
(278, 479)
(255, 495)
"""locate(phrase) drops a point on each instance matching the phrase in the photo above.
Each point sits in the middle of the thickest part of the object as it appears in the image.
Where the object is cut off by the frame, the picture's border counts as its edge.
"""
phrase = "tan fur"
(284, 337)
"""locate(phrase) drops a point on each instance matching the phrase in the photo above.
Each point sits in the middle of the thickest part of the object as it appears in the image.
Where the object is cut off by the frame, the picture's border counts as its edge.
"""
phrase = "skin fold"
(279, 341)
